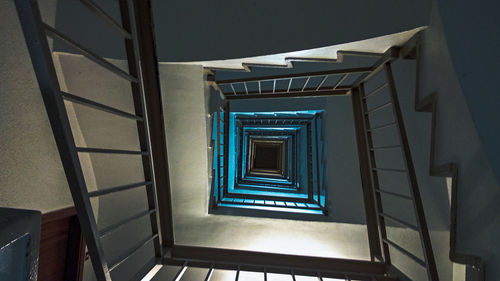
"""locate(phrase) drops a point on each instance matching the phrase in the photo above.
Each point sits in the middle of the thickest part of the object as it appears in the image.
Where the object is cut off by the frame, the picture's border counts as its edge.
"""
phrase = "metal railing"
(326, 83)
(266, 272)
(373, 172)
(376, 217)
(36, 32)
(236, 263)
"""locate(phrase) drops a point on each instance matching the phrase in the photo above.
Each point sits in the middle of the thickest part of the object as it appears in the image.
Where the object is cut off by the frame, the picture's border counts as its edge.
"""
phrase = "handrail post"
(226, 145)
(131, 47)
(154, 103)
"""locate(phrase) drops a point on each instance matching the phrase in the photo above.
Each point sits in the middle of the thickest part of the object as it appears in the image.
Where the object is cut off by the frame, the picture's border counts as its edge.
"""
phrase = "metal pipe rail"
(52, 32)
(266, 263)
(272, 203)
(99, 106)
(296, 75)
(363, 74)
(290, 94)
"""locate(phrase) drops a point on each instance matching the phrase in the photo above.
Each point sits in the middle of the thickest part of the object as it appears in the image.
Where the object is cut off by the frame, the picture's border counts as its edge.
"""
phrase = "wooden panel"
(61, 246)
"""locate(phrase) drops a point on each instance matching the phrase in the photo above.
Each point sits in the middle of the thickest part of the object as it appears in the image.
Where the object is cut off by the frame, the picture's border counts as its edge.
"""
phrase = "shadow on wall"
(473, 45)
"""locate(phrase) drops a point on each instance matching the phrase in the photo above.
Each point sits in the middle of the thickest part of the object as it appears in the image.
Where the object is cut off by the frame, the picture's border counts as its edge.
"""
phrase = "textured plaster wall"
(31, 174)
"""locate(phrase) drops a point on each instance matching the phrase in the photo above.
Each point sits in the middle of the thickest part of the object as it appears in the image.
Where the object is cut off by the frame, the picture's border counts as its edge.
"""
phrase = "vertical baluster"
(210, 273)
(340, 81)
(181, 271)
(289, 85)
(372, 164)
(322, 82)
(232, 88)
(219, 130)
(237, 274)
(246, 88)
(305, 84)
(293, 275)
(134, 63)
(318, 180)
(226, 144)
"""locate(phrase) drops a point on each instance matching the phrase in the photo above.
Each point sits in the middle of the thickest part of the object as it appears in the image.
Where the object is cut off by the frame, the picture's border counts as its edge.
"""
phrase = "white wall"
(31, 174)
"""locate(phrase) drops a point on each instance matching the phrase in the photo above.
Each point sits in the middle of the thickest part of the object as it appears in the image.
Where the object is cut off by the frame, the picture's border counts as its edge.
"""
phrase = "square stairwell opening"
(269, 161)
(266, 157)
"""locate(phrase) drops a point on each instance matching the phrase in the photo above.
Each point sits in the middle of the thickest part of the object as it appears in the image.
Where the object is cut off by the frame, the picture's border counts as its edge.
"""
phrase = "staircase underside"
(377, 45)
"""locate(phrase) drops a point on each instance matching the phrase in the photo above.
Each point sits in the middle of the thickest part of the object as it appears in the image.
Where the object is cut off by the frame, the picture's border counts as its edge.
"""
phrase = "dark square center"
(267, 156)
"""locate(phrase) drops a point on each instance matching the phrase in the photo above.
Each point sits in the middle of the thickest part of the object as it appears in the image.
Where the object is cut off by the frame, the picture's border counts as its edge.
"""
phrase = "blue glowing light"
(298, 187)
